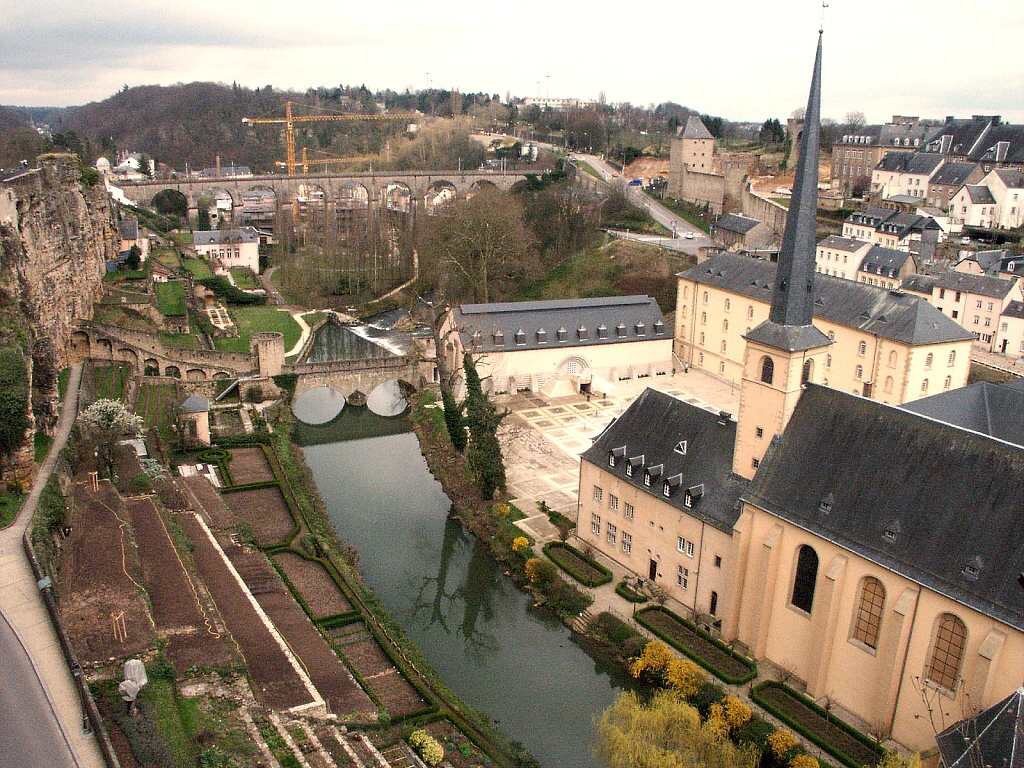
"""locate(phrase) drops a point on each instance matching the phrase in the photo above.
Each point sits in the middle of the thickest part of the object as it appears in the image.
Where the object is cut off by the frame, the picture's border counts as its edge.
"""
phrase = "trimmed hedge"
(623, 590)
(827, 720)
(556, 551)
(702, 638)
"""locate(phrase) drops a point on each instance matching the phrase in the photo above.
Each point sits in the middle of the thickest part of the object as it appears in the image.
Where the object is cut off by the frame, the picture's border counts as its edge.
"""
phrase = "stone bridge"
(336, 190)
(349, 376)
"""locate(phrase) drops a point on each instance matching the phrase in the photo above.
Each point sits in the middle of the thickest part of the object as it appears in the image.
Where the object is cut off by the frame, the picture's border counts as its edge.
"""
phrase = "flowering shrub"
(781, 742)
(652, 662)
(426, 746)
(803, 761)
(519, 542)
(540, 572)
(685, 677)
(500, 511)
(732, 713)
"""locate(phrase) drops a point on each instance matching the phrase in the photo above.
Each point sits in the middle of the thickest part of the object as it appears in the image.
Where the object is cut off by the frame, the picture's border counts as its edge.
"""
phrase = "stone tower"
(268, 349)
(783, 352)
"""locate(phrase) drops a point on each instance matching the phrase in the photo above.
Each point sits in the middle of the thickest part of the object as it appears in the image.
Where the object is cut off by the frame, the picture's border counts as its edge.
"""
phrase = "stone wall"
(769, 212)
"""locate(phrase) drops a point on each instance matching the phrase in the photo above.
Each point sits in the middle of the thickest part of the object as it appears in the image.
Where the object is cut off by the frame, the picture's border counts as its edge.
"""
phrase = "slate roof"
(652, 427)
(218, 236)
(889, 314)
(1001, 144)
(989, 409)
(561, 323)
(988, 261)
(884, 261)
(838, 243)
(982, 285)
(1011, 177)
(993, 737)
(695, 129)
(954, 174)
(953, 498)
(1014, 309)
(961, 136)
(732, 222)
(980, 195)
(918, 163)
(128, 228)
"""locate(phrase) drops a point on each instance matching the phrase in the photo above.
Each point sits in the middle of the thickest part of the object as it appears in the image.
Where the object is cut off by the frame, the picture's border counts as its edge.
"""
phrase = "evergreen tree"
(453, 420)
(482, 418)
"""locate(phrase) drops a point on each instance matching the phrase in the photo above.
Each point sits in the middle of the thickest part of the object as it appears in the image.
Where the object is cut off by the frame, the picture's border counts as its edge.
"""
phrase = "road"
(667, 218)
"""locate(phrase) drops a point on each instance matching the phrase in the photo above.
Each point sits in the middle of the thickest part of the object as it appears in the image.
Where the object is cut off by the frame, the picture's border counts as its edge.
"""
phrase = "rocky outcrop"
(57, 230)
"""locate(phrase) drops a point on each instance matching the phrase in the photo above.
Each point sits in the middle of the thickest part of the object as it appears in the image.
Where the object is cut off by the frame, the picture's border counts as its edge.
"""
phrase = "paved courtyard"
(542, 438)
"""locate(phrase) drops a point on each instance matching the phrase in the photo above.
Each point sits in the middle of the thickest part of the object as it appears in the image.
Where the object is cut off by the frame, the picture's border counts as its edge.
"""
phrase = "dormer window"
(615, 454)
(620, 330)
(973, 567)
(499, 338)
(477, 341)
(602, 331)
(641, 329)
(520, 337)
(826, 504)
(671, 484)
(892, 532)
(581, 333)
(693, 494)
(680, 448)
(563, 335)
(652, 473)
(634, 463)
(542, 336)
(659, 328)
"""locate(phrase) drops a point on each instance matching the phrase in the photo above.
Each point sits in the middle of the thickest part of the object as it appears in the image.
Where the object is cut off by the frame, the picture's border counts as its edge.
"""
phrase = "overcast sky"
(741, 59)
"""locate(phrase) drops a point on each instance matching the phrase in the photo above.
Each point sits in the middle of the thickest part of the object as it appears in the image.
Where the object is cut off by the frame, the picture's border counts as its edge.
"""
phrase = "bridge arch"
(171, 202)
(480, 185)
(387, 399)
(259, 206)
(398, 197)
(220, 203)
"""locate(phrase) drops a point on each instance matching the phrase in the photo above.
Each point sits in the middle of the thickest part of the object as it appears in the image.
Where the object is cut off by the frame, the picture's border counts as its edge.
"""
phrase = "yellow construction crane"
(289, 121)
(325, 163)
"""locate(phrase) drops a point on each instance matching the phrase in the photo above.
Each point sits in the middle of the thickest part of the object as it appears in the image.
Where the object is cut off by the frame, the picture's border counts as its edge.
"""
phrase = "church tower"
(784, 352)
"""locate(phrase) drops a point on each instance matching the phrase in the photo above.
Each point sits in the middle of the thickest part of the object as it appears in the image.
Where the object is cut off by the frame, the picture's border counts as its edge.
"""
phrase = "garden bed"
(710, 653)
(311, 580)
(625, 591)
(266, 510)
(249, 465)
(849, 746)
(582, 568)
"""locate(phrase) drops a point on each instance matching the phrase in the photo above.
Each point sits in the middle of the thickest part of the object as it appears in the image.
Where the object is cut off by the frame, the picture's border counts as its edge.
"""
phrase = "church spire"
(789, 321)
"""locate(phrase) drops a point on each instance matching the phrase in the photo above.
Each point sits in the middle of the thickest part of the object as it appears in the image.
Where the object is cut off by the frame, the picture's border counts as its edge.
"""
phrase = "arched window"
(928, 361)
(924, 386)
(948, 382)
(862, 348)
(806, 579)
(888, 384)
(867, 622)
(892, 359)
(702, 339)
(723, 346)
(859, 372)
(767, 370)
(808, 370)
(948, 652)
(952, 357)
(703, 318)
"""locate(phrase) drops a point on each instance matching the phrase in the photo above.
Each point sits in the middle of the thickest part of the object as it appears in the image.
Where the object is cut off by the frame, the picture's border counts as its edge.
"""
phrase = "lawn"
(156, 407)
(168, 257)
(10, 503)
(109, 381)
(170, 298)
(252, 320)
(180, 340)
(198, 267)
(245, 279)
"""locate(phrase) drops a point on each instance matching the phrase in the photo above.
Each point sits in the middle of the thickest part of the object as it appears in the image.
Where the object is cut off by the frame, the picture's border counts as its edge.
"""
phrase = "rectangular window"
(613, 534)
(683, 577)
(718, 561)
(595, 524)
(613, 502)
(598, 493)
(977, 304)
(627, 543)
(689, 549)
(680, 544)
(628, 512)
(760, 432)
(755, 463)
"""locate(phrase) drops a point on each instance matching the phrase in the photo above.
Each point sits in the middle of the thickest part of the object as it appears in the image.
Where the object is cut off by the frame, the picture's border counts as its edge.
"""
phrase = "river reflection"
(470, 621)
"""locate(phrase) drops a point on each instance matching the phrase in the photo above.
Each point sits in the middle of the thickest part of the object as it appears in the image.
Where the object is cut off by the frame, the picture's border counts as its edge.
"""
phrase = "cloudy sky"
(742, 59)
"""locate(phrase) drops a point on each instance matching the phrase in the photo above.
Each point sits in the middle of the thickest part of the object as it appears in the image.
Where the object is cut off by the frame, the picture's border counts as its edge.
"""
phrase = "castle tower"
(268, 349)
(784, 352)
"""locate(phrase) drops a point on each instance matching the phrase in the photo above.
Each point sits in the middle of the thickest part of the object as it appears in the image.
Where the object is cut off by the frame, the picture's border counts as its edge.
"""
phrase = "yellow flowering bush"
(652, 661)
(519, 543)
(500, 511)
(781, 742)
(685, 677)
(803, 761)
(540, 572)
(426, 746)
(735, 714)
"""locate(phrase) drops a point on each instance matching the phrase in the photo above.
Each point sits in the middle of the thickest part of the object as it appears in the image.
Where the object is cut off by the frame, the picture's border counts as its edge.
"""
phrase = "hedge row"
(554, 551)
(709, 665)
(757, 694)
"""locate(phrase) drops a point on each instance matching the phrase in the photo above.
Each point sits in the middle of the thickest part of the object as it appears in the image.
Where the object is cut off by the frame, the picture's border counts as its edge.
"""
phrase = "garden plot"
(275, 681)
(327, 672)
(378, 673)
(321, 594)
(266, 510)
(250, 465)
(100, 586)
(192, 636)
(212, 506)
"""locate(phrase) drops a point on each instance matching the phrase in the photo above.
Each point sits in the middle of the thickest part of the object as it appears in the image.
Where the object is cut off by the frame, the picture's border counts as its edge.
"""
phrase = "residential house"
(989, 263)
(972, 206)
(130, 234)
(1010, 338)
(738, 232)
(900, 173)
(885, 267)
(887, 345)
(658, 497)
(973, 301)
(840, 256)
(1006, 186)
(890, 228)
(563, 346)
(858, 152)
(233, 247)
(948, 180)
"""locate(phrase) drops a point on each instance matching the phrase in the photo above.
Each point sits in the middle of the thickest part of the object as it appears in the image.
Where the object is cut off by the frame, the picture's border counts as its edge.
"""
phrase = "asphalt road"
(29, 735)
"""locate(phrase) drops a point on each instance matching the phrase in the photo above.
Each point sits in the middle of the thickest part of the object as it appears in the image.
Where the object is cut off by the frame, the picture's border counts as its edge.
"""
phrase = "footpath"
(21, 604)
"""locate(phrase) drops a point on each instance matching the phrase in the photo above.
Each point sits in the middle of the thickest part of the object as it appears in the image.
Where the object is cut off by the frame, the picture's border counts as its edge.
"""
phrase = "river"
(473, 625)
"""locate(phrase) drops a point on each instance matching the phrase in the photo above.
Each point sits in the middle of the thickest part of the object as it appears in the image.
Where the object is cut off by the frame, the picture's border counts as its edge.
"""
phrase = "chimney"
(218, 166)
